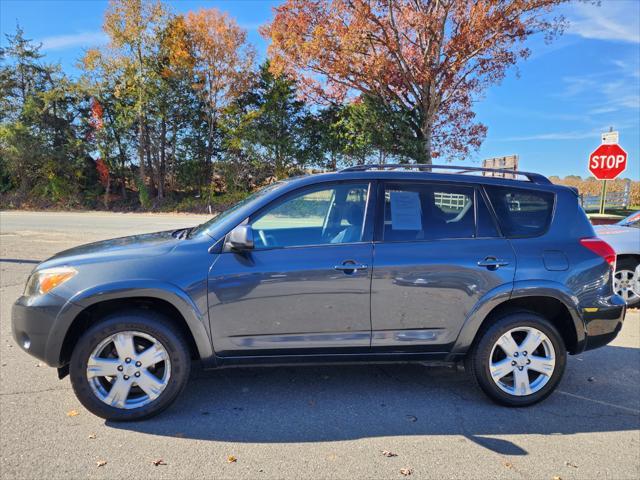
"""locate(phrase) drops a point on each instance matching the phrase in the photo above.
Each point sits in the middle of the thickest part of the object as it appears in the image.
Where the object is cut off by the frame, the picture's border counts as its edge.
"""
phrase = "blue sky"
(550, 111)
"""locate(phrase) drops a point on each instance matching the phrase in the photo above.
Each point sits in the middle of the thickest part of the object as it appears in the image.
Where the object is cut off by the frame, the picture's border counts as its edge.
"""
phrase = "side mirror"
(240, 238)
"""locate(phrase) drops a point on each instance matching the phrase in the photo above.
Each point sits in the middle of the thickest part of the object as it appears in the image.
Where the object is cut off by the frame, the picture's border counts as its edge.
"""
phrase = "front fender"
(195, 319)
(517, 290)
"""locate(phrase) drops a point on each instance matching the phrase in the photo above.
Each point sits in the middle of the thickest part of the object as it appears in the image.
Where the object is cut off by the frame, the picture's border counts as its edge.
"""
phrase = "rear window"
(521, 212)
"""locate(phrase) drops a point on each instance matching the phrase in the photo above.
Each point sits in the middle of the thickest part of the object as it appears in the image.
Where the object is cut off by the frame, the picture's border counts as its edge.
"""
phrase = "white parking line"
(632, 410)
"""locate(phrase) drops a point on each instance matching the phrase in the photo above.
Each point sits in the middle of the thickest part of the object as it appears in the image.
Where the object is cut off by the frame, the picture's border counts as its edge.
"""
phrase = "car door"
(437, 253)
(305, 286)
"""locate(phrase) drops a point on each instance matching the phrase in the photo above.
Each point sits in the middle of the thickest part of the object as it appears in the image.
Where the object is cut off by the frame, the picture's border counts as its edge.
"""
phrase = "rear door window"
(423, 211)
(522, 212)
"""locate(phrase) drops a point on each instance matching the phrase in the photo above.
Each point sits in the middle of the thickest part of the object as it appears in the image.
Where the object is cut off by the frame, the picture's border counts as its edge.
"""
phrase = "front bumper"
(604, 321)
(36, 326)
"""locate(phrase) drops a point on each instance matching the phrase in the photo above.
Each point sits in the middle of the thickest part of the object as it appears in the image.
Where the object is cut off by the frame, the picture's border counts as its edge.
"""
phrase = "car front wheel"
(129, 366)
(519, 360)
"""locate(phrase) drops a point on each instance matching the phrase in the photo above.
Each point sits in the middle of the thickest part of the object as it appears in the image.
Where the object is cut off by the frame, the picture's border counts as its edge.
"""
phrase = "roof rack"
(532, 177)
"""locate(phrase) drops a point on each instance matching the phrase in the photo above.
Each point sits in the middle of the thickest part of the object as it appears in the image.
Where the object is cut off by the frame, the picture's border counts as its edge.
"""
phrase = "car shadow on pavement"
(334, 403)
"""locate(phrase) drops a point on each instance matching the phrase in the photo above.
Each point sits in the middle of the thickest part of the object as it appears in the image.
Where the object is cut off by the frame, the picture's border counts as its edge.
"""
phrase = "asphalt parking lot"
(306, 422)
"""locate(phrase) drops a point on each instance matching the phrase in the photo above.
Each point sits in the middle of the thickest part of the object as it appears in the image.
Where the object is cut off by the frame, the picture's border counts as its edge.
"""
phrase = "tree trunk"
(141, 126)
(107, 191)
(162, 156)
(123, 186)
(426, 141)
(152, 179)
(141, 149)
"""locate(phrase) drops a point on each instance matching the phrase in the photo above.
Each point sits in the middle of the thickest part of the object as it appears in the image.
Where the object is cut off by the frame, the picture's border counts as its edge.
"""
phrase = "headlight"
(43, 281)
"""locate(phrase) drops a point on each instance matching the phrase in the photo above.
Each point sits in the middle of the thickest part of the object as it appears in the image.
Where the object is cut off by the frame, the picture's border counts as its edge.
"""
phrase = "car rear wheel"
(519, 360)
(130, 366)
(626, 281)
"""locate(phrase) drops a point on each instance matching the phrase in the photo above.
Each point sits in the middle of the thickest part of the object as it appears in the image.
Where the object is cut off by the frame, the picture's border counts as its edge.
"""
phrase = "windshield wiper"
(182, 233)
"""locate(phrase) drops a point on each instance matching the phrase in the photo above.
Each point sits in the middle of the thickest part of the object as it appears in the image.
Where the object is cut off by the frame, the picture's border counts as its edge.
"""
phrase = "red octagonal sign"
(607, 162)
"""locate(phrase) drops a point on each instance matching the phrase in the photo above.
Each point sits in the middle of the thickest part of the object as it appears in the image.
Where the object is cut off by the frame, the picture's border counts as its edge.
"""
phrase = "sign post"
(607, 162)
(603, 196)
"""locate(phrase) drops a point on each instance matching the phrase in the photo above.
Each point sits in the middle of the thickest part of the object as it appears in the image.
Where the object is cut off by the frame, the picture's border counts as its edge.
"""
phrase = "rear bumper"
(604, 321)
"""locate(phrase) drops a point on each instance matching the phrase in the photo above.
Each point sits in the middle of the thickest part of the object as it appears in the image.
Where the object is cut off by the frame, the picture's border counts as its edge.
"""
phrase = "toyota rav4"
(501, 272)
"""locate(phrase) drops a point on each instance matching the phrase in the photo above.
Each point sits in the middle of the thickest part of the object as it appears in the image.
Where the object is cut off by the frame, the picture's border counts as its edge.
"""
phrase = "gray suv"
(369, 264)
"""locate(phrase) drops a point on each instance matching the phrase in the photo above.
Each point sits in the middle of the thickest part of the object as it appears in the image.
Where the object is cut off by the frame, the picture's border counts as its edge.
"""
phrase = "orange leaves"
(177, 46)
(103, 172)
(97, 113)
(428, 59)
(129, 23)
(221, 55)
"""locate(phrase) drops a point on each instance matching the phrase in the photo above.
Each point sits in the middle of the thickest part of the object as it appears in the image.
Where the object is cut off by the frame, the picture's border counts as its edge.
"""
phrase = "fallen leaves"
(231, 459)
(158, 462)
(92, 436)
(507, 464)
(387, 453)
(557, 477)
(72, 413)
(406, 471)
(101, 463)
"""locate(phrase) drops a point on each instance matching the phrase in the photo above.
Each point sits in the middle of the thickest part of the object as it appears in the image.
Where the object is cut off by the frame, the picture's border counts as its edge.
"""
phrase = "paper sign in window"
(406, 213)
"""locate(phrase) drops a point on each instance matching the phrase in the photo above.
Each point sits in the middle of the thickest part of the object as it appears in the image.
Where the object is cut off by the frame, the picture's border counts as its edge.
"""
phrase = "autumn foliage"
(427, 58)
(175, 112)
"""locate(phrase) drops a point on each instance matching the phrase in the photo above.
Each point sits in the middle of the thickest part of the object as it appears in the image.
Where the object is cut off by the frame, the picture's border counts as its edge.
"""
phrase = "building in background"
(510, 162)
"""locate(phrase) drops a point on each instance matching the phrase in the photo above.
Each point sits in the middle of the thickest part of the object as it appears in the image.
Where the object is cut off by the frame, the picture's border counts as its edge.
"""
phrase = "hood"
(147, 245)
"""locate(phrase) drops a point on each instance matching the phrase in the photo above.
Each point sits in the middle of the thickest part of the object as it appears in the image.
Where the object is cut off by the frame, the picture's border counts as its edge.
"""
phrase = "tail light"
(601, 248)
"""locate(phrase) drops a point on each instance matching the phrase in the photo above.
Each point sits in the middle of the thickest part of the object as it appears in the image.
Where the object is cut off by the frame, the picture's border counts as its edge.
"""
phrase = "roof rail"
(532, 177)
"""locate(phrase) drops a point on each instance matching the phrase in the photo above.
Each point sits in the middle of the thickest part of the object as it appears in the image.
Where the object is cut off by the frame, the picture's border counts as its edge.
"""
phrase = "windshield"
(632, 220)
(218, 219)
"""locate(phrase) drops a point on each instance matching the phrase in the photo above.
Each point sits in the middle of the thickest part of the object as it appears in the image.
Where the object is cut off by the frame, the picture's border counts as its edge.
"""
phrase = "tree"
(114, 136)
(428, 59)
(133, 27)
(222, 66)
(270, 124)
(42, 133)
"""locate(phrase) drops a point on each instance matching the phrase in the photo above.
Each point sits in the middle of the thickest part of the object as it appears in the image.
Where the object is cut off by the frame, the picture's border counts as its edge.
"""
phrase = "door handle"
(350, 268)
(493, 263)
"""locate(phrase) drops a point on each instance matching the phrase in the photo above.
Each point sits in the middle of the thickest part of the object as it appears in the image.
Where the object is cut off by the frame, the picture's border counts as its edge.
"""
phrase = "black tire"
(478, 359)
(629, 264)
(144, 321)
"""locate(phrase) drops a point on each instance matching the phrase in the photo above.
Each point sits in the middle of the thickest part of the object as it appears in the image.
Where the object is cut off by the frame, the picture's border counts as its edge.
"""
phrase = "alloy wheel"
(128, 369)
(522, 361)
(627, 284)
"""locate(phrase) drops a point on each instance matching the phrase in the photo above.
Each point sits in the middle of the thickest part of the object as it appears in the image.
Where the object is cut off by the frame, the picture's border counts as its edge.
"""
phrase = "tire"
(488, 352)
(626, 282)
(96, 367)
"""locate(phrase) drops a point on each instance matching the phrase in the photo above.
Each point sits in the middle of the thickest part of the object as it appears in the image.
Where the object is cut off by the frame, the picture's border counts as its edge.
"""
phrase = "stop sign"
(607, 162)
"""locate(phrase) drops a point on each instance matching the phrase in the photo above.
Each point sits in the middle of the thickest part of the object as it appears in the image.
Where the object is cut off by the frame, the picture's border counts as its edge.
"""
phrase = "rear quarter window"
(522, 212)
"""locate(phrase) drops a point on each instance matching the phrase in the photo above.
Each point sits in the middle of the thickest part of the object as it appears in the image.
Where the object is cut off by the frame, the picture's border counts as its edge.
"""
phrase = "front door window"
(319, 216)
